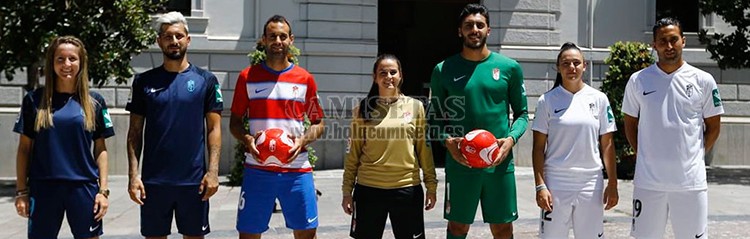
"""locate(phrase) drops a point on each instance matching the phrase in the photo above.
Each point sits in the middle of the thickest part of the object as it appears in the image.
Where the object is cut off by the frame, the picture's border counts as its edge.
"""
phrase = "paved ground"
(729, 189)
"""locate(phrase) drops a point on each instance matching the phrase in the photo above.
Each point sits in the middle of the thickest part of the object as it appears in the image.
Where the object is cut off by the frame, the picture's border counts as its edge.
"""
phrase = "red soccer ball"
(273, 147)
(479, 147)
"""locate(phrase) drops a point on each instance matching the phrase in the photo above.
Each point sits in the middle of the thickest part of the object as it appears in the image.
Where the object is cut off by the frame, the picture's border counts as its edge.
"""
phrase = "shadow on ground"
(721, 175)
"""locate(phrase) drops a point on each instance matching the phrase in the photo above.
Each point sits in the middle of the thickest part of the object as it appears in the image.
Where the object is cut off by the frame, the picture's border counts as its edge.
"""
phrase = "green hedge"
(625, 58)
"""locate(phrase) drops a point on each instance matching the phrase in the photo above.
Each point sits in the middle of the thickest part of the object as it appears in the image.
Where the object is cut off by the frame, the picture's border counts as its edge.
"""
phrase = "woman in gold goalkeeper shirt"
(385, 153)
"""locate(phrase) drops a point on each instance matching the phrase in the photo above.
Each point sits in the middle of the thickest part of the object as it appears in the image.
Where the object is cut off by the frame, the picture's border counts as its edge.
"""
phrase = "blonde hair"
(170, 18)
(44, 114)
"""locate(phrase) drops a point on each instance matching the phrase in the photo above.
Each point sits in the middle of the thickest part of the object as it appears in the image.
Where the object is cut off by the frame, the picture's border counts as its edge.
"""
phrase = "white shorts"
(581, 210)
(688, 211)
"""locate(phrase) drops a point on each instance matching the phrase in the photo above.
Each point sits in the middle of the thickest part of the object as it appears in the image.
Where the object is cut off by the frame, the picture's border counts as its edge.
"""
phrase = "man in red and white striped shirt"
(277, 94)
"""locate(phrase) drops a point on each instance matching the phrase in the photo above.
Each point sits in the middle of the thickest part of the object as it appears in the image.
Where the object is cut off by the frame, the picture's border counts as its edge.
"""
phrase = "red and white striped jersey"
(277, 99)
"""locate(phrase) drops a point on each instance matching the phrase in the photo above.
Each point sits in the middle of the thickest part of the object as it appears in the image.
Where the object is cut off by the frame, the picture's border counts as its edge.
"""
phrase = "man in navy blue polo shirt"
(179, 104)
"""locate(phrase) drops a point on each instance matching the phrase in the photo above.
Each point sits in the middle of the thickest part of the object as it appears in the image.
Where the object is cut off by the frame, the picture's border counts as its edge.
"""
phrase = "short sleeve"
(136, 100)
(541, 116)
(606, 117)
(312, 102)
(214, 101)
(104, 126)
(240, 100)
(630, 105)
(712, 104)
(27, 117)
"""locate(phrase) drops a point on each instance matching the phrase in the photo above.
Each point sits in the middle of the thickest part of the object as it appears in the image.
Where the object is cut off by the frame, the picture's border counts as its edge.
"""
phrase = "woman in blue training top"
(57, 174)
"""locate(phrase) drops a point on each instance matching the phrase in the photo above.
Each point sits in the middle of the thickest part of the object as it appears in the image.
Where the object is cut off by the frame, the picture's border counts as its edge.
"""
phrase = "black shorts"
(184, 202)
(373, 205)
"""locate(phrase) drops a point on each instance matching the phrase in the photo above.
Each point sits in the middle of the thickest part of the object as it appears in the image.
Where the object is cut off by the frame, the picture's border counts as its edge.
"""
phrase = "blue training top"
(65, 150)
(174, 106)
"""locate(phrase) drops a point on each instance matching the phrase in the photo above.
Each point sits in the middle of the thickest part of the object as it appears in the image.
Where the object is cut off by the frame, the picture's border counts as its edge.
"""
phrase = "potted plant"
(625, 58)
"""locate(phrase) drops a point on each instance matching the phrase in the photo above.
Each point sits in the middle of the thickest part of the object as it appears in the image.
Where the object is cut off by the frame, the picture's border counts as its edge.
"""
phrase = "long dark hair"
(369, 103)
(566, 46)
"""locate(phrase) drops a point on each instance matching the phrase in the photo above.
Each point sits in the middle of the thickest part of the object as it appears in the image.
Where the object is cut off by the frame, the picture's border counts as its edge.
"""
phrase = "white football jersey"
(573, 124)
(671, 109)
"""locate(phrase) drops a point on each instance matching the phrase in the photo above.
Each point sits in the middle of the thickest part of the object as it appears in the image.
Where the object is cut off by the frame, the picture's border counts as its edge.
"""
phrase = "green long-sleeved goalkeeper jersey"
(468, 95)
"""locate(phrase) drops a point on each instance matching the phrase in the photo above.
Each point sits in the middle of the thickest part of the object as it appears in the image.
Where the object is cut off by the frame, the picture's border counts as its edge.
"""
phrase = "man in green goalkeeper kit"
(473, 90)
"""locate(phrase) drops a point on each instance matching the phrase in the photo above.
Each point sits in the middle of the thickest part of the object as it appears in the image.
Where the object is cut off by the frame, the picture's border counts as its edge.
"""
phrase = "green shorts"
(496, 191)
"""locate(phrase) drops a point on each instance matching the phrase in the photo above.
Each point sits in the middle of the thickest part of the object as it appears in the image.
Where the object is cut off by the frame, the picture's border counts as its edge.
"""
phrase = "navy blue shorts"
(50, 200)
(260, 189)
(183, 202)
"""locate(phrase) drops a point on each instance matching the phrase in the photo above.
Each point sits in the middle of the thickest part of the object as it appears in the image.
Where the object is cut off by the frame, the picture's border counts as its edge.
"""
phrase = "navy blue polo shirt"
(174, 106)
(64, 151)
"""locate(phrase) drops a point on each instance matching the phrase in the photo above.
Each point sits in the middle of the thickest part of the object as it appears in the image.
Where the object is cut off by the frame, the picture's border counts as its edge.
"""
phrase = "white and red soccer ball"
(480, 148)
(273, 146)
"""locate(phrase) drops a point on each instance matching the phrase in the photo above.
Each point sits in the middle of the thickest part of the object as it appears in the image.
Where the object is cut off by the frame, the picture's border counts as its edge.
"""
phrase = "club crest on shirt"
(295, 91)
(689, 90)
(593, 109)
(407, 116)
(191, 86)
(496, 73)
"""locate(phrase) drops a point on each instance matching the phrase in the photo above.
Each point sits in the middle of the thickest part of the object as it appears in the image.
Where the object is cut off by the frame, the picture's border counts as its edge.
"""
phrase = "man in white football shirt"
(672, 117)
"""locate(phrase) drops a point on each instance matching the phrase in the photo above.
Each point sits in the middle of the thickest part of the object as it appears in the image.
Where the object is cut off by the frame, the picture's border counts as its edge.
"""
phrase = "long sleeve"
(424, 153)
(517, 98)
(353, 152)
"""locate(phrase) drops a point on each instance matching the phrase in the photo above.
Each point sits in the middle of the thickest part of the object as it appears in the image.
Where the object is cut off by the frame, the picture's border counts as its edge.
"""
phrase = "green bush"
(625, 58)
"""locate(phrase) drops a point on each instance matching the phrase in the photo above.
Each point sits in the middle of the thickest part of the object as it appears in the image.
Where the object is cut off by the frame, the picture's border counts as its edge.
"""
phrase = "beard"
(482, 42)
(674, 58)
(178, 55)
(272, 53)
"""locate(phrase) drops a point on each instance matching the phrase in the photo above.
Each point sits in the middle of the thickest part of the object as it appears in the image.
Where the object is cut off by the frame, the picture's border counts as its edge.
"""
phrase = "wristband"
(541, 187)
(22, 192)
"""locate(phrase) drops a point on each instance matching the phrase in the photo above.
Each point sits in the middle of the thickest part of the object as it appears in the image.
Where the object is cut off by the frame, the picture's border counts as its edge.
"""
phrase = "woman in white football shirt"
(573, 124)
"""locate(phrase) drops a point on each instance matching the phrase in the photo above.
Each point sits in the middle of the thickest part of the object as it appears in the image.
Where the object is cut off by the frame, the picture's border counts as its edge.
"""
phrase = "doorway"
(421, 33)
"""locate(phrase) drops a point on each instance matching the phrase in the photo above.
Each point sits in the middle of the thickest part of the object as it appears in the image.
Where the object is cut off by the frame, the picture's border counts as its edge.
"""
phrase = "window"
(182, 6)
(686, 11)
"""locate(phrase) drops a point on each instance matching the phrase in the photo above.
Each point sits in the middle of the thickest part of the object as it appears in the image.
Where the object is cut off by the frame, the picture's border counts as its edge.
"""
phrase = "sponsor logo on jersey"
(610, 115)
(219, 96)
(154, 90)
(191, 86)
(717, 98)
(496, 73)
(649, 92)
(107, 118)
